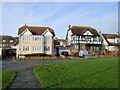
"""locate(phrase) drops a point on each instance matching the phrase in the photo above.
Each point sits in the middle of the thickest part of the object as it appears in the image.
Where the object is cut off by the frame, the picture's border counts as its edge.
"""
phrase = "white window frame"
(26, 48)
(37, 38)
(26, 38)
(47, 48)
(47, 38)
(36, 48)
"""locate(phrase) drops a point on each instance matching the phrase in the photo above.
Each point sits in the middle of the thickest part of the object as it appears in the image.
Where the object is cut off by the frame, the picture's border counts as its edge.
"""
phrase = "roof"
(7, 38)
(79, 30)
(111, 36)
(35, 30)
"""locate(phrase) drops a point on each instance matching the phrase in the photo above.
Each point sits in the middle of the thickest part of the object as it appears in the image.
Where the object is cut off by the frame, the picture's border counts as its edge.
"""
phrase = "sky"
(103, 16)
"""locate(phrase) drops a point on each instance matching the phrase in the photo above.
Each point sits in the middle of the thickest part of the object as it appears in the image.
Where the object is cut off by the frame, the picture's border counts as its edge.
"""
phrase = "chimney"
(25, 24)
(99, 31)
(69, 26)
(118, 32)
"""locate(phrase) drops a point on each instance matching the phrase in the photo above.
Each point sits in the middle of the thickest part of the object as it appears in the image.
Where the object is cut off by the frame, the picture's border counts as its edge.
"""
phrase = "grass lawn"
(7, 78)
(0, 80)
(96, 73)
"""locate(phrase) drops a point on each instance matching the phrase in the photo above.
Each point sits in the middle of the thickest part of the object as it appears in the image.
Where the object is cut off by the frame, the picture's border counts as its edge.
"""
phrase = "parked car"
(12, 53)
(65, 53)
(84, 53)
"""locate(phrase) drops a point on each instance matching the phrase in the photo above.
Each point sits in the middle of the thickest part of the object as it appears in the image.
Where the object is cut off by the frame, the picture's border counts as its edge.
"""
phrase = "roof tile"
(35, 30)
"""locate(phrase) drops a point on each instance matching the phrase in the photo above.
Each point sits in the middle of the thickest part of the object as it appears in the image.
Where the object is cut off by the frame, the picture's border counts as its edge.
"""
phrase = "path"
(25, 79)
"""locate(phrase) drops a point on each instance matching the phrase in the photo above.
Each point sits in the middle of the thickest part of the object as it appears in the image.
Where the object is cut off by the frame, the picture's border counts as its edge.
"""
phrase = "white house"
(110, 42)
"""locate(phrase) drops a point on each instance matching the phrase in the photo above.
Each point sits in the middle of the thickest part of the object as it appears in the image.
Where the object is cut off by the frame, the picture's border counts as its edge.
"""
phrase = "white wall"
(111, 40)
(87, 33)
(69, 37)
(113, 48)
(26, 32)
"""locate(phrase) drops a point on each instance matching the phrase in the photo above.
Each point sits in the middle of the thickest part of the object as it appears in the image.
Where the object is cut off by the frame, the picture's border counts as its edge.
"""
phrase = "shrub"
(76, 54)
(35, 54)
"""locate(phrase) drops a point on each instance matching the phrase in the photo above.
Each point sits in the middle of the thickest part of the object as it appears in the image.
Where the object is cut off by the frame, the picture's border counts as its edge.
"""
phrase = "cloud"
(102, 16)
(107, 23)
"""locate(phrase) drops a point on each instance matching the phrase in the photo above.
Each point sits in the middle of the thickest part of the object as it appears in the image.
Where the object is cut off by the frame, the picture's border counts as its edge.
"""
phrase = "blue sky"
(58, 15)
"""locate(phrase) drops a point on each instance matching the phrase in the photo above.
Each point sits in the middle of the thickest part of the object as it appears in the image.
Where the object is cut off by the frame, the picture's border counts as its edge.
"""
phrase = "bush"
(35, 54)
(76, 54)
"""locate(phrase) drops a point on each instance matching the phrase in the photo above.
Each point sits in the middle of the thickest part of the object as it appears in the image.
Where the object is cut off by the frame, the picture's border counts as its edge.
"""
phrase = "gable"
(87, 32)
(35, 30)
(79, 30)
(47, 33)
(26, 32)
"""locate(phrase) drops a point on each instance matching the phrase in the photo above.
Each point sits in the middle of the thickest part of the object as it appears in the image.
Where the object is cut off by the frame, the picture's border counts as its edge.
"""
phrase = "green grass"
(96, 73)
(7, 78)
(0, 80)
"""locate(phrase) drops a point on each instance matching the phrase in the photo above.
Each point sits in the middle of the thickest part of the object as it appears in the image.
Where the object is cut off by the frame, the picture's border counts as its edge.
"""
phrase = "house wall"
(40, 43)
(87, 33)
(49, 44)
(69, 37)
(113, 48)
(111, 40)
(31, 43)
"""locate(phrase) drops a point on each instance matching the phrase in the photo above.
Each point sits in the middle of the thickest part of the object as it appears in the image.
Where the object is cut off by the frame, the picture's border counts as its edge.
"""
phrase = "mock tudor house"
(83, 38)
(110, 42)
(34, 39)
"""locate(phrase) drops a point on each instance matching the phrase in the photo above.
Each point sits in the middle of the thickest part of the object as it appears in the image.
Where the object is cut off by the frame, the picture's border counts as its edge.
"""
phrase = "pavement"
(25, 77)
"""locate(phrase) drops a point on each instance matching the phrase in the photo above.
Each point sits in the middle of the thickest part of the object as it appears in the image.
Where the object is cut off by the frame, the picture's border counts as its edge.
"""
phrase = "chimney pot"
(69, 26)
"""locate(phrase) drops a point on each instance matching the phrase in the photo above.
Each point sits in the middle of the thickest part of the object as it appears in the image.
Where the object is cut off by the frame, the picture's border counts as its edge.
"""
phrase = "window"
(47, 48)
(94, 38)
(36, 48)
(82, 38)
(25, 48)
(11, 40)
(4, 40)
(75, 46)
(36, 38)
(73, 38)
(0, 44)
(47, 38)
(26, 38)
